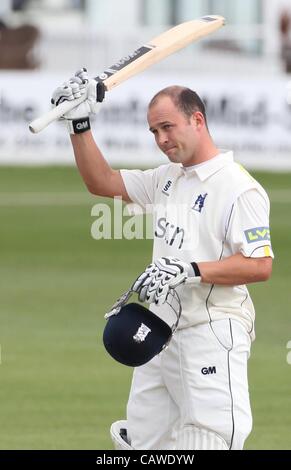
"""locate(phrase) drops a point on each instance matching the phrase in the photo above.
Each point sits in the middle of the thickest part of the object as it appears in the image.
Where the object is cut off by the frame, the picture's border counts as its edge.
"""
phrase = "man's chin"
(173, 155)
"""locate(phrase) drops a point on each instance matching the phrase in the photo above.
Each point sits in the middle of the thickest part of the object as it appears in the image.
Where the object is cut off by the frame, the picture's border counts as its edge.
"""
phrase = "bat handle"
(43, 121)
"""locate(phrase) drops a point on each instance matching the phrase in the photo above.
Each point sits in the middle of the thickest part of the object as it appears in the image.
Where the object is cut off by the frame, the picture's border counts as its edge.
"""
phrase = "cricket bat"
(157, 49)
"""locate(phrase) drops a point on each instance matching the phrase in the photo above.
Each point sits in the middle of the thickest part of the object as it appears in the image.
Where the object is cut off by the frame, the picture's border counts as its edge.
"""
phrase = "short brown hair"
(185, 99)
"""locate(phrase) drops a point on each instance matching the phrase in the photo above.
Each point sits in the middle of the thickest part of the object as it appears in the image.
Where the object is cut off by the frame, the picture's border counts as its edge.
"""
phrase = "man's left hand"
(154, 283)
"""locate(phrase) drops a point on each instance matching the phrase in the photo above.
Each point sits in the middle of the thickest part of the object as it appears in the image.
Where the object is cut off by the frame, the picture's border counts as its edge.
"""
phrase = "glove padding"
(74, 88)
(154, 283)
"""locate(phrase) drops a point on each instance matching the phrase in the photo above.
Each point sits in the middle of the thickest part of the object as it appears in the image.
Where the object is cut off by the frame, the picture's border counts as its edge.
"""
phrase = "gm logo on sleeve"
(257, 234)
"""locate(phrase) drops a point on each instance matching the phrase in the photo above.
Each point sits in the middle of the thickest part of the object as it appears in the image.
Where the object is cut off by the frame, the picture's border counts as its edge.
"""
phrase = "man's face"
(175, 134)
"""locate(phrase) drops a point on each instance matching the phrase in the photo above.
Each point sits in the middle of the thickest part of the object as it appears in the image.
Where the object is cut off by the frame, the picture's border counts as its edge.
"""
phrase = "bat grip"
(42, 122)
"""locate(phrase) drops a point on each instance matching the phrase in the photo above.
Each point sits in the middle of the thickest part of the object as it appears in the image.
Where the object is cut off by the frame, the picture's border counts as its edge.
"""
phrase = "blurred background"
(59, 390)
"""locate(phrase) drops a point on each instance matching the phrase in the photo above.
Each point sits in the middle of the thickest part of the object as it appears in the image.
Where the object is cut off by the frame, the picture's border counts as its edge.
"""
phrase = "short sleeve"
(249, 229)
(141, 185)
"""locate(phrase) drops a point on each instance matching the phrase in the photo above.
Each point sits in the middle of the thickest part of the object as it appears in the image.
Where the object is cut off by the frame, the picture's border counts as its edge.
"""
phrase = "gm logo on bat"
(122, 63)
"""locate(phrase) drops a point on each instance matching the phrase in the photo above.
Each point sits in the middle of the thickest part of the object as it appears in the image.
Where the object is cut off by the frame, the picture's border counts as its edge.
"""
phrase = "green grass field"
(59, 389)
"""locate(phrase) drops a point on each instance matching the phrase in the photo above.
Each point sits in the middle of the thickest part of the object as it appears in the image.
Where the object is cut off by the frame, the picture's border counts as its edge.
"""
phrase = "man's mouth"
(169, 149)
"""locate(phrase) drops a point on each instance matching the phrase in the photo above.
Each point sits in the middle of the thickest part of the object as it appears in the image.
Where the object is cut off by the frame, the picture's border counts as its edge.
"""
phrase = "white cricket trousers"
(199, 380)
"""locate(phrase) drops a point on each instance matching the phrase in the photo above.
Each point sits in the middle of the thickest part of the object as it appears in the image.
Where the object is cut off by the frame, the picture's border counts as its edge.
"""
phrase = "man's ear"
(198, 119)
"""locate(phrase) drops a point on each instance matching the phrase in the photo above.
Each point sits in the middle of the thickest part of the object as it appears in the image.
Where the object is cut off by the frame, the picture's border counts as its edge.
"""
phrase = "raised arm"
(98, 176)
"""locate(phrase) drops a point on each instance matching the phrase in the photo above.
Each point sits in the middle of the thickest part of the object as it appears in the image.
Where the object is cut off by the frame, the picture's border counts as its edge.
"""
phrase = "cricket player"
(211, 224)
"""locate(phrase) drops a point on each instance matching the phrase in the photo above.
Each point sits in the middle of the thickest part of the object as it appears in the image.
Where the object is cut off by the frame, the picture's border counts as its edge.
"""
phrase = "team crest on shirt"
(199, 203)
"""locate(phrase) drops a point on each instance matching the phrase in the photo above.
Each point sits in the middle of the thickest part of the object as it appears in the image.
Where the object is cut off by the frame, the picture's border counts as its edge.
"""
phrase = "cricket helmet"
(133, 334)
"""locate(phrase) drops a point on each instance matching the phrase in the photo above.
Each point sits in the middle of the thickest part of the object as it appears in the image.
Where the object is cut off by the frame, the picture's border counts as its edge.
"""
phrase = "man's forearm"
(235, 270)
(92, 166)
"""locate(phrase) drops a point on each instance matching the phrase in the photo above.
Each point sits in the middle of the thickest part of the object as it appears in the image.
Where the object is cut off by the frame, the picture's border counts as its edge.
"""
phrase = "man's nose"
(162, 138)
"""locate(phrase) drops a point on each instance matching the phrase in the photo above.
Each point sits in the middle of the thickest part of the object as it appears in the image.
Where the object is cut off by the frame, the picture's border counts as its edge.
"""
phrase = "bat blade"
(157, 49)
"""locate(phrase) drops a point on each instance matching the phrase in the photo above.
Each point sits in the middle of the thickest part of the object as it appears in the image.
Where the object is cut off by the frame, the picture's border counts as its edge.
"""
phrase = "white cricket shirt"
(206, 212)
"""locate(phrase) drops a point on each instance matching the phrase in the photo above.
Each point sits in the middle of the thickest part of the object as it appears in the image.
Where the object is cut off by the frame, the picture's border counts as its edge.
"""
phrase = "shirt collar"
(206, 169)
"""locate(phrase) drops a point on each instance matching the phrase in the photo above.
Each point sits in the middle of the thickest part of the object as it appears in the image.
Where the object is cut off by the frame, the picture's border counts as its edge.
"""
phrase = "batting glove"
(168, 272)
(78, 118)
